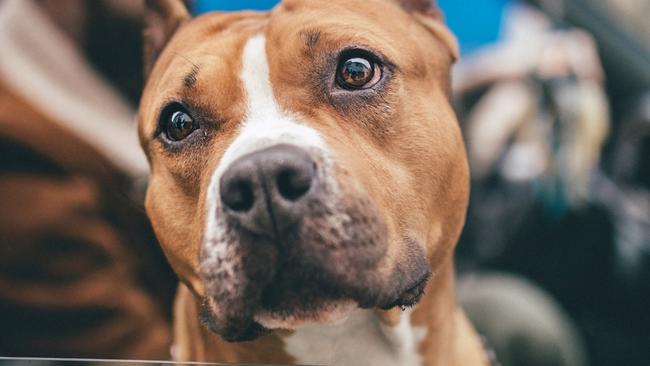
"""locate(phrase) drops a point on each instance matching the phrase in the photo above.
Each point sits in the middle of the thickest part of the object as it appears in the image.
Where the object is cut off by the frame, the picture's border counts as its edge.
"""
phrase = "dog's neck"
(434, 333)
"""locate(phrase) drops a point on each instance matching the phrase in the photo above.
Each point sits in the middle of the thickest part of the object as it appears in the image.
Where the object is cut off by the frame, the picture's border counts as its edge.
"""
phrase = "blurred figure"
(536, 117)
(524, 324)
(558, 192)
(80, 272)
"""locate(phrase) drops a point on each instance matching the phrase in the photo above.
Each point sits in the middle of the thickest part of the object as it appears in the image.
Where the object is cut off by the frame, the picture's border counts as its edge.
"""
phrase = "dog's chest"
(361, 340)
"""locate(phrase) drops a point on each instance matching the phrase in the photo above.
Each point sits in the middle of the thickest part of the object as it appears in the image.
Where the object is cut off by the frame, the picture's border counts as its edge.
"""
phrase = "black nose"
(265, 191)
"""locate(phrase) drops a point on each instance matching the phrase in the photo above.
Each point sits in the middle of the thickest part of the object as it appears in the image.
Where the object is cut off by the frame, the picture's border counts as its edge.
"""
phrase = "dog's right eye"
(358, 70)
(178, 124)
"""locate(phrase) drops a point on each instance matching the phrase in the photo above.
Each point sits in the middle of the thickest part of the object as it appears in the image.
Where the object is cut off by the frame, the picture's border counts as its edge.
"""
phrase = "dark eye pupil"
(181, 120)
(356, 72)
(180, 126)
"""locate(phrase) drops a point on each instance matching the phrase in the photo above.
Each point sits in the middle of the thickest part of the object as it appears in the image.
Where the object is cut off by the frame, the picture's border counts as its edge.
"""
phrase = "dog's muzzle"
(289, 241)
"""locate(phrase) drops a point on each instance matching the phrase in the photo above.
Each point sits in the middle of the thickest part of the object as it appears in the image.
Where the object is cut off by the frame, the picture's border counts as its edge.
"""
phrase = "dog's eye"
(179, 125)
(358, 73)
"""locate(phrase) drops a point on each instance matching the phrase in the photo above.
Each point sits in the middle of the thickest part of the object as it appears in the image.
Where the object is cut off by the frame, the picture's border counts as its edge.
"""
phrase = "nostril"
(239, 196)
(293, 183)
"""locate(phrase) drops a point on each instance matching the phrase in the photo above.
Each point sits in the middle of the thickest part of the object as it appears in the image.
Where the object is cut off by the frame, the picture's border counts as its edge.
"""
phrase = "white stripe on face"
(265, 125)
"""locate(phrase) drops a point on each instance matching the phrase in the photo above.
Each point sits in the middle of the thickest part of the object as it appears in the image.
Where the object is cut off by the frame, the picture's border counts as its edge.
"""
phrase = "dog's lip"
(327, 311)
(411, 296)
(313, 308)
(254, 331)
(265, 321)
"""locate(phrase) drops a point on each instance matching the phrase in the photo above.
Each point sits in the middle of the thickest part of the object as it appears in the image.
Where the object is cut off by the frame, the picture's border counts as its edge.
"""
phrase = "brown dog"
(308, 182)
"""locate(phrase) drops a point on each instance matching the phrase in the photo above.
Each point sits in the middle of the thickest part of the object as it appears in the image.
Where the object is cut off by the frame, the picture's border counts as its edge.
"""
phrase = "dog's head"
(305, 161)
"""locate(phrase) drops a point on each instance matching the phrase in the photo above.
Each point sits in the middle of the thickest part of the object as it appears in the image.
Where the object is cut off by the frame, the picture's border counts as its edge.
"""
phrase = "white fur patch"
(265, 125)
(359, 341)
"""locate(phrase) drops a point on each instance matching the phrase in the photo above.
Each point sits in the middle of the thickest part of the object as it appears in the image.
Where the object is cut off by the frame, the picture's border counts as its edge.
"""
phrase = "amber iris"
(179, 126)
(357, 73)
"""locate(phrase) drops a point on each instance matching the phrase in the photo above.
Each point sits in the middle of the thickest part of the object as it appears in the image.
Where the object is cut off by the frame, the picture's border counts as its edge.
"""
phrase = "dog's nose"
(265, 191)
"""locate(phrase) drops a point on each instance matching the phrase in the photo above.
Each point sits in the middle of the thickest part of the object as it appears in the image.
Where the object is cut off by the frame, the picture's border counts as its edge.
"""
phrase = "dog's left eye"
(356, 73)
(178, 125)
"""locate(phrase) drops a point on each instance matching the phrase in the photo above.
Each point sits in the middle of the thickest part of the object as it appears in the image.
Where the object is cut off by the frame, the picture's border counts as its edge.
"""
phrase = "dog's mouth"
(298, 293)
(288, 303)
(297, 309)
(412, 295)
(296, 298)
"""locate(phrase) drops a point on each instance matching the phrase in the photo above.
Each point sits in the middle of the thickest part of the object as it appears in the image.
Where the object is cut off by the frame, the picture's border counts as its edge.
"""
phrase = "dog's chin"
(284, 307)
(327, 312)
(302, 309)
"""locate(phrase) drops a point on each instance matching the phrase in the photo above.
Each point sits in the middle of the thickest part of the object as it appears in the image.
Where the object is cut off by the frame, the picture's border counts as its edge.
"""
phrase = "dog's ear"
(429, 14)
(427, 7)
(161, 20)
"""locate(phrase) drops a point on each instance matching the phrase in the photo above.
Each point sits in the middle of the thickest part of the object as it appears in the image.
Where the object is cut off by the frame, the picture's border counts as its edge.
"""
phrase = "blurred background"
(554, 100)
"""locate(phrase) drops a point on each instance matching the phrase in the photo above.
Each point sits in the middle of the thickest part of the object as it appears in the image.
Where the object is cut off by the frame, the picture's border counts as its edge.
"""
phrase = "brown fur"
(401, 145)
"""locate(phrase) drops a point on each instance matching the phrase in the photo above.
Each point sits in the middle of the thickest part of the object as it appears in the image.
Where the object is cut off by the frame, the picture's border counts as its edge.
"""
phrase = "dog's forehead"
(303, 24)
(292, 30)
(300, 25)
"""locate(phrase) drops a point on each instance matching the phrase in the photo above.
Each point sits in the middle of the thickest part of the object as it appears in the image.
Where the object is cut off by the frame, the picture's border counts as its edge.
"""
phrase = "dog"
(308, 182)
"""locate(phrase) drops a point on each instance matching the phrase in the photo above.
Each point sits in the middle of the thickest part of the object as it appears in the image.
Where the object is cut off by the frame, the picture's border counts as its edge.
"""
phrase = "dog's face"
(306, 161)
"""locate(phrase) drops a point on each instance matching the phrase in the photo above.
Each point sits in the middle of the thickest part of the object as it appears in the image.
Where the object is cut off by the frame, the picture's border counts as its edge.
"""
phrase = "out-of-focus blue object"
(475, 22)
(202, 6)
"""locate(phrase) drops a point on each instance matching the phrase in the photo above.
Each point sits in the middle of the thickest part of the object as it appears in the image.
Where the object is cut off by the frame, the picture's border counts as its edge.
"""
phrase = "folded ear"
(428, 14)
(161, 20)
